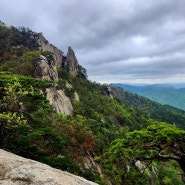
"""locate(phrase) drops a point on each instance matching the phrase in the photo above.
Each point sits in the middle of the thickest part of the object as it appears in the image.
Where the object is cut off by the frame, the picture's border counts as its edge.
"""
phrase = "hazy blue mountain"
(166, 94)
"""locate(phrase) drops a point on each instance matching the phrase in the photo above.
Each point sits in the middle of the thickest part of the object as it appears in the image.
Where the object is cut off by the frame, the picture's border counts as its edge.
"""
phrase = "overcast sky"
(128, 41)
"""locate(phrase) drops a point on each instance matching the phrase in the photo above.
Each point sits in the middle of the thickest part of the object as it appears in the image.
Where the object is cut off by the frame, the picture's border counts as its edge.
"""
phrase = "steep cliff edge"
(68, 62)
(47, 70)
(46, 46)
(16, 170)
(57, 98)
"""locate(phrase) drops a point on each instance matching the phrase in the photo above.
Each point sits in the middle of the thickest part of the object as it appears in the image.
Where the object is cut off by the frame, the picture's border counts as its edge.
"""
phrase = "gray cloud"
(116, 41)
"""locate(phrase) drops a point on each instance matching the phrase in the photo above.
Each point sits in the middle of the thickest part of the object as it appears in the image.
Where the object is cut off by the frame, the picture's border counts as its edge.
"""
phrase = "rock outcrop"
(70, 62)
(46, 46)
(59, 100)
(16, 170)
(46, 71)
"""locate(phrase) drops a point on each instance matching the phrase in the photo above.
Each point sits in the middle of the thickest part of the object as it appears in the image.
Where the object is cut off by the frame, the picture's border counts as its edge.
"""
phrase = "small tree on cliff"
(160, 141)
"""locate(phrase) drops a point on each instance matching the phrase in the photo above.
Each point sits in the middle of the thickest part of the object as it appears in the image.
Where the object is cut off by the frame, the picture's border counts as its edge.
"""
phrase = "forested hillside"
(151, 109)
(164, 94)
(52, 113)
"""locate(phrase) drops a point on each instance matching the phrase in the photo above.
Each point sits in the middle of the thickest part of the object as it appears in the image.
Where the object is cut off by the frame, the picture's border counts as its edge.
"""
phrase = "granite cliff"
(46, 69)
(68, 62)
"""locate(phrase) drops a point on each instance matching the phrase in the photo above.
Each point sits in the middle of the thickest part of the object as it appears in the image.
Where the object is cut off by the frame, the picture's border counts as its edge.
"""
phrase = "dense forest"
(112, 136)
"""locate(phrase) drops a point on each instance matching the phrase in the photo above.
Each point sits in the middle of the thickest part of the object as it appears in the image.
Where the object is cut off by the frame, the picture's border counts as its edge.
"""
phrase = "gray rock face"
(16, 170)
(46, 46)
(59, 100)
(70, 62)
(46, 71)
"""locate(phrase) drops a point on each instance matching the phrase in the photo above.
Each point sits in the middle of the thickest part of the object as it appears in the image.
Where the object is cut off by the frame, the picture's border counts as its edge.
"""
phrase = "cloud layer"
(116, 41)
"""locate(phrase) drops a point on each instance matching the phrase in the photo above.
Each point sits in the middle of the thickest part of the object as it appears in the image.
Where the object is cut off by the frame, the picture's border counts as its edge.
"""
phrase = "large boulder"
(16, 170)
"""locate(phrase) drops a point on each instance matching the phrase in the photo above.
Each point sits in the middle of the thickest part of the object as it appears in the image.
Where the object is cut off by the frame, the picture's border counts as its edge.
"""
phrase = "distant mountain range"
(166, 94)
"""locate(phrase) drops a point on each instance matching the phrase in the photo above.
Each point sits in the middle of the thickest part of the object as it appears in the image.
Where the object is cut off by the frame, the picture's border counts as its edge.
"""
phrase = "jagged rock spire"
(70, 62)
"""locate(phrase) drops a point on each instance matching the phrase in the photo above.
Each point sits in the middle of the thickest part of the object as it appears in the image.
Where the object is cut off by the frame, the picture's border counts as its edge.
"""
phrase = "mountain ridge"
(166, 94)
(52, 113)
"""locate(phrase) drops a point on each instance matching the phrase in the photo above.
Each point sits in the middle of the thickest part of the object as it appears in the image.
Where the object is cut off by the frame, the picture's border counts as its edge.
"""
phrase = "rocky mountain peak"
(68, 62)
(46, 69)
(71, 63)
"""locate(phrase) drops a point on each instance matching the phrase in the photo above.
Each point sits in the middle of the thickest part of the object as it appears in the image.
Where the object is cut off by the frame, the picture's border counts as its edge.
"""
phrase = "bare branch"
(152, 146)
(169, 157)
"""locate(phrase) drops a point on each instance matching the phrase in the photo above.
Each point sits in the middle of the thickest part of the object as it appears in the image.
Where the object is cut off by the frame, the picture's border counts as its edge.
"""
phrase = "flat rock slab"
(16, 170)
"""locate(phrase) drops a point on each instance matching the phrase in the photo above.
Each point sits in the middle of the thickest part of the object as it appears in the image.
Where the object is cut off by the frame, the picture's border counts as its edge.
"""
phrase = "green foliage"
(163, 94)
(157, 141)
(170, 173)
(82, 73)
(13, 93)
(48, 55)
(25, 65)
(11, 118)
(18, 50)
(150, 109)
(62, 163)
(63, 74)
(26, 82)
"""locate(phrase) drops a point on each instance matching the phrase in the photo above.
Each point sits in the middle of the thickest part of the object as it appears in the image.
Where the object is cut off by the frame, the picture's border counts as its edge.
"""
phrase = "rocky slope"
(47, 70)
(68, 62)
(46, 46)
(59, 100)
(16, 170)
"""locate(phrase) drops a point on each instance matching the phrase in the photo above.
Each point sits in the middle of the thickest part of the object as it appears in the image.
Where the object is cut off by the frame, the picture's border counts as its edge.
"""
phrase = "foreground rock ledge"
(16, 170)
